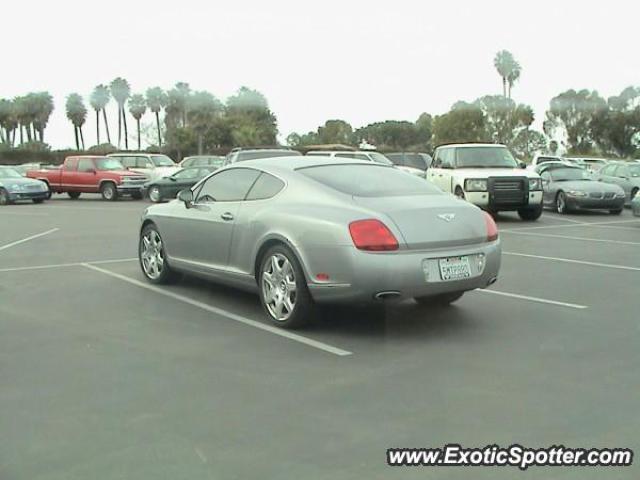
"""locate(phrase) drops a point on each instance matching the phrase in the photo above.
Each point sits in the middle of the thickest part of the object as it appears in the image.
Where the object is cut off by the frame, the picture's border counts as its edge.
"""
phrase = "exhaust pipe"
(389, 295)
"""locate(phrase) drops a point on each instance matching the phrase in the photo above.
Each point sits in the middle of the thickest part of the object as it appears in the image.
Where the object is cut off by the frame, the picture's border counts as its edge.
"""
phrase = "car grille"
(609, 194)
(508, 191)
(33, 188)
(595, 194)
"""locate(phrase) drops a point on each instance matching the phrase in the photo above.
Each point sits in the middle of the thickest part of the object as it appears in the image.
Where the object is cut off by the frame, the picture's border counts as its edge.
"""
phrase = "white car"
(540, 159)
(488, 176)
(154, 166)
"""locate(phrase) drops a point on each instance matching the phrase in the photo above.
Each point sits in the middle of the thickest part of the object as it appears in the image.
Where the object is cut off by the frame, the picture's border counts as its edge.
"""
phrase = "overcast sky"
(361, 61)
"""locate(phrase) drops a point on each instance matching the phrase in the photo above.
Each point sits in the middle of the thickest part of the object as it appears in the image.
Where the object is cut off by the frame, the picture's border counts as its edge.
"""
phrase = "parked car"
(14, 187)
(153, 166)
(244, 154)
(625, 174)
(488, 176)
(567, 188)
(365, 155)
(540, 159)
(593, 164)
(321, 231)
(411, 162)
(168, 187)
(92, 174)
(202, 161)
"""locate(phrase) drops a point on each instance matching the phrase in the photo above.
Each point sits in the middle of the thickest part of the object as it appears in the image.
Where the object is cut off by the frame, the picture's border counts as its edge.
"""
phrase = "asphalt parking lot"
(105, 377)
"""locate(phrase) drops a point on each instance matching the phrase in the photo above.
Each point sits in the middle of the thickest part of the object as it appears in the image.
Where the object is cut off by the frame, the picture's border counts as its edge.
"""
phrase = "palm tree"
(6, 111)
(121, 91)
(77, 113)
(137, 108)
(204, 108)
(504, 62)
(98, 100)
(513, 76)
(44, 103)
(183, 91)
(156, 99)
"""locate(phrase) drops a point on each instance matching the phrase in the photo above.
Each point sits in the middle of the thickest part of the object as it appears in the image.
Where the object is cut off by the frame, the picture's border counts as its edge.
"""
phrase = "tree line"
(187, 121)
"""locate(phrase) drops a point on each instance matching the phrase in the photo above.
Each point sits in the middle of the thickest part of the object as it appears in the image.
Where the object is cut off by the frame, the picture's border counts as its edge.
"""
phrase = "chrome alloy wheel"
(152, 254)
(279, 287)
(154, 194)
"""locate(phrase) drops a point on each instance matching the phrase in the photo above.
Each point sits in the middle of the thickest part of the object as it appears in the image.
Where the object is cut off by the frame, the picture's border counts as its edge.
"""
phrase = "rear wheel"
(530, 214)
(74, 195)
(151, 254)
(154, 194)
(109, 191)
(441, 299)
(4, 197)
(283, 288)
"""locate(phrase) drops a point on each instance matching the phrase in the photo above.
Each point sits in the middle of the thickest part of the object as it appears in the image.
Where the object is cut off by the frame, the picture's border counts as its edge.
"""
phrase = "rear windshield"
(413, 160)
(242, 156)
(369, 180)
(484, 157)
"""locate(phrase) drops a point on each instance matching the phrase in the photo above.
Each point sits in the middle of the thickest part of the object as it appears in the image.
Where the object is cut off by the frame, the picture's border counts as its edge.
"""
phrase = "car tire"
(530, 214)
(440, 299)
(561, 203)
(109, 191)
(154, 194)
(73, 195)
(283, 286)
(50, 193)
(4, 197)
(617, 211)
(37, 200)
(633, 194)
(152, 258)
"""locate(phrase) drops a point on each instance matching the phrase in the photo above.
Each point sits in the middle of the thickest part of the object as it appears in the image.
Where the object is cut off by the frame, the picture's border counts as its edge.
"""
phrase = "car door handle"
(227, 216)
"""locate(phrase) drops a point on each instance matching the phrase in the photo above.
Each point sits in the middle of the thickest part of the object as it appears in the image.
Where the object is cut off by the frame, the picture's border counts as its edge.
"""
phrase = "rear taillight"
(372, 235)
(492, 228)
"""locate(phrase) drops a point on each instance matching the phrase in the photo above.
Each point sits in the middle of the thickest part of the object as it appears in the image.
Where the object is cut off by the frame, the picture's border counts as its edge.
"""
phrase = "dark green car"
(167, 188)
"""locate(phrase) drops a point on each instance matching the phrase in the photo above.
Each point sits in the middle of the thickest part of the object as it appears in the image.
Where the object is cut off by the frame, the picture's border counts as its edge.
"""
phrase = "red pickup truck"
(92, 174)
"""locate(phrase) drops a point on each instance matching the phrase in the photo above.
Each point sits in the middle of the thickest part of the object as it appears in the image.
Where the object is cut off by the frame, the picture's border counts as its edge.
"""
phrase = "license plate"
(454, 268)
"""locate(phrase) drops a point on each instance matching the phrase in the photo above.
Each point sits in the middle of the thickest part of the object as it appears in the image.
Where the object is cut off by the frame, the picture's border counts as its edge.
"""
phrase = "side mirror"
(186, 197)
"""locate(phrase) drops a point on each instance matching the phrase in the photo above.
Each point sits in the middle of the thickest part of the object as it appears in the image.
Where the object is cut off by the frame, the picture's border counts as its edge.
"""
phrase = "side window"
(266, 186)
(143, 162)
(437, 159)
(228, 186)
(127, 161)
(85, 165)
(71, 165)
(361, 156)
(622, 171)
(546, 175)
(187, 173)
(447, 158)
(346, 155)
(608, 170)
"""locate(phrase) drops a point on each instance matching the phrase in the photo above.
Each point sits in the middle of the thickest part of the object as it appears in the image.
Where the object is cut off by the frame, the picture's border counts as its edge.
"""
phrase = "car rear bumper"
(399, 275)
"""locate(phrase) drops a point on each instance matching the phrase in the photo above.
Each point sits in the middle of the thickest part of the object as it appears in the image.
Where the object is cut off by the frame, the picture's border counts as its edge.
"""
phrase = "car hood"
(495, 172)
(426, 221)
(588, 186)
(413, 170)
(19, 181)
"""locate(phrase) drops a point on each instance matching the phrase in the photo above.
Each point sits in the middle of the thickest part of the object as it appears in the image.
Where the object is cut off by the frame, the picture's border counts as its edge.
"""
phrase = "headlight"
(475, 185)
(622, 195)
(535, 184)
(16, 187)
(577, 193)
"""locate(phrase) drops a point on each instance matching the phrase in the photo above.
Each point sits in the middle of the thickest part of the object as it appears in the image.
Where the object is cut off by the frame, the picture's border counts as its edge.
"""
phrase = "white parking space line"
(32, 237)
(570, 260)
(568, 237)
(535, 299)
(63, 265)
(613, 224)
(224, 313)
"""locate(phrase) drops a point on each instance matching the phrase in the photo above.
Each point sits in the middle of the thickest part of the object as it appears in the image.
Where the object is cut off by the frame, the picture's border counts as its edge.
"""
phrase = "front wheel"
(154, 194)
(441, 299)
(283, 288)
(530, 214)
(151, 254)
(561, 203)
(4, 197)
(109, 191)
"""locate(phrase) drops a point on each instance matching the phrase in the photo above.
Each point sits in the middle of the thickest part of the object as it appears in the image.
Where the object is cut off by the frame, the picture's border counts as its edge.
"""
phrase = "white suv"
(153, 166)
(488, 176)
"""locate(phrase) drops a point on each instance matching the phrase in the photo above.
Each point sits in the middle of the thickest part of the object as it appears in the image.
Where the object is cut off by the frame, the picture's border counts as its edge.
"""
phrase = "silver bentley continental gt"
(301, 230)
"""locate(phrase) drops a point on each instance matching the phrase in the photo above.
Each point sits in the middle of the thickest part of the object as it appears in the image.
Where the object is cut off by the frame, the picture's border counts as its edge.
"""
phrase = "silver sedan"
(300, 230)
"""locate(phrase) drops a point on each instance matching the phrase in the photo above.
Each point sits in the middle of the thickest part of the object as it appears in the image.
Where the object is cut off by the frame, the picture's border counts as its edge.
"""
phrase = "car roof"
(469, 145)
(291, 163)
